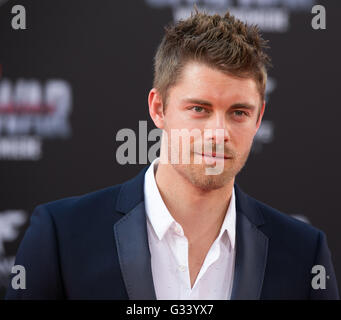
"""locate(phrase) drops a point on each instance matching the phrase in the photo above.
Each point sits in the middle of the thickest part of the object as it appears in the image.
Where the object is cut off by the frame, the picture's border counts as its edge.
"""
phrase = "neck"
(199, 212)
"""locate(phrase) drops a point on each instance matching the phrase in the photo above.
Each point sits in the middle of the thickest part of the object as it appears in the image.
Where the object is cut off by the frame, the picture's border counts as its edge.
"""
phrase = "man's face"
(202, 101)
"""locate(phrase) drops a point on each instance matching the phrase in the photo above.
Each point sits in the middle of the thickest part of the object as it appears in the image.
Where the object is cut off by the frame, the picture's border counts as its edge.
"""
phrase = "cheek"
(175, 121)
(242, 137)
(181, 119)
(191, 128)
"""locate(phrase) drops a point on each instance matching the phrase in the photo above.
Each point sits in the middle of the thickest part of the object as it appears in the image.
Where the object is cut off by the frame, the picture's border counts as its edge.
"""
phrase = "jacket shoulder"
(296, 247)
(98, 201)
(278, 222)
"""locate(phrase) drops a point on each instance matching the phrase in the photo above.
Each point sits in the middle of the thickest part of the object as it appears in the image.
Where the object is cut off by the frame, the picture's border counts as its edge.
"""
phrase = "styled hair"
(220, 42)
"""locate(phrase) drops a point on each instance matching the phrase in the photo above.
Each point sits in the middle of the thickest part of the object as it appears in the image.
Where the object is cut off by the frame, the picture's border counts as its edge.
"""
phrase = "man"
(183, 229)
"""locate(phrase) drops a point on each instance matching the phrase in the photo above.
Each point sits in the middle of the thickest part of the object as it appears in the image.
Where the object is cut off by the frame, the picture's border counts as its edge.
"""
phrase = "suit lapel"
(251, 250)
(134, 256)
(132, 240)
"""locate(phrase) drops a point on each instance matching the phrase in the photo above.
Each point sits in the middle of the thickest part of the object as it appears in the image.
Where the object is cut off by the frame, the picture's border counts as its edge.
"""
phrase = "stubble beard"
(197, 176)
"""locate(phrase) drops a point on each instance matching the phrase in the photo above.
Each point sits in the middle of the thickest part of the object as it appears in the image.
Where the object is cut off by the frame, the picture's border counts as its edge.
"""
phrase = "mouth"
(215, 155)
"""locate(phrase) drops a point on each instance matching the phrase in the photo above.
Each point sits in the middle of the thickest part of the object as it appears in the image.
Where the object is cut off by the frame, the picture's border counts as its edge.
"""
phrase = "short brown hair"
(221, 42)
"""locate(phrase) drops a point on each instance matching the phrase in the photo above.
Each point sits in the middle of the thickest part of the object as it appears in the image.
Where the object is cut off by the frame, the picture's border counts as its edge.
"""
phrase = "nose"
(216, 129)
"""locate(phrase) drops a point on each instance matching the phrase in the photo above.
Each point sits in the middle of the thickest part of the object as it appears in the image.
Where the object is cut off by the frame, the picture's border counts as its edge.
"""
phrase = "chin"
(196, 175)
(209, 185)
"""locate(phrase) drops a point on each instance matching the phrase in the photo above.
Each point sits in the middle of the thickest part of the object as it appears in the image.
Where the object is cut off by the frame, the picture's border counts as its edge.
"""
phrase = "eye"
(198, 109)
(240, 113)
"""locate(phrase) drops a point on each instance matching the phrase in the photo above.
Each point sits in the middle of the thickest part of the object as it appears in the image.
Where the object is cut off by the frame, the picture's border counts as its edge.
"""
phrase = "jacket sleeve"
(323, 258)
(38, 254)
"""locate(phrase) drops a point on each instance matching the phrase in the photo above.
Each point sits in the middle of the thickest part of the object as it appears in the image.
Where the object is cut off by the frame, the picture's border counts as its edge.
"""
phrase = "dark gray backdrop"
(102, 51)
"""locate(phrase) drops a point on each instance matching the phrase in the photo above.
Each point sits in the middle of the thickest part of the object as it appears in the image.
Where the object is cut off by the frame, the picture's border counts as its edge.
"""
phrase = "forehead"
(202, 81)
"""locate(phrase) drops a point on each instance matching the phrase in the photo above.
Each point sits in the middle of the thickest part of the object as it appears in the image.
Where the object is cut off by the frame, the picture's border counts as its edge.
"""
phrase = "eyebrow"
(198, 101)
(244, 105)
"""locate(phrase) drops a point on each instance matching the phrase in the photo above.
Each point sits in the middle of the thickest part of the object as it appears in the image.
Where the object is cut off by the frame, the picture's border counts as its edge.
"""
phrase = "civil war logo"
(31, 111)
(269, 15)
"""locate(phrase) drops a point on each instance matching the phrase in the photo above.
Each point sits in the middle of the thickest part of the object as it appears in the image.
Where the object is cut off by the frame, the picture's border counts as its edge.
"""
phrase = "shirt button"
(182, 268)
(178, 230)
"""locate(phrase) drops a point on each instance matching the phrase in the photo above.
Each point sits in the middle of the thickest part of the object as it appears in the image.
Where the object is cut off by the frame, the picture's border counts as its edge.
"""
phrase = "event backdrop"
(80, 71)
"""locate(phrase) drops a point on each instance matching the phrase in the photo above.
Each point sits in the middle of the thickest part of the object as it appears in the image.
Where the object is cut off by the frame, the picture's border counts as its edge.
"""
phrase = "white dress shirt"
(169, 251)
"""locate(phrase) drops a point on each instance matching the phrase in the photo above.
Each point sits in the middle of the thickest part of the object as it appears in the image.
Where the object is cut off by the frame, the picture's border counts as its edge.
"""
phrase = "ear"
(261, 113)
(156, 108)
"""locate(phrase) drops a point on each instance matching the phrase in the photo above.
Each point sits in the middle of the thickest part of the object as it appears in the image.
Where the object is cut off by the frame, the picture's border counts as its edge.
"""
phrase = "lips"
(215, 155)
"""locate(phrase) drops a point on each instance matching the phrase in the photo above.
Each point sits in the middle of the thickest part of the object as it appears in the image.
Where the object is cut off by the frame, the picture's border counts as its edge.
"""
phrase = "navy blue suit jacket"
(95, 246)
